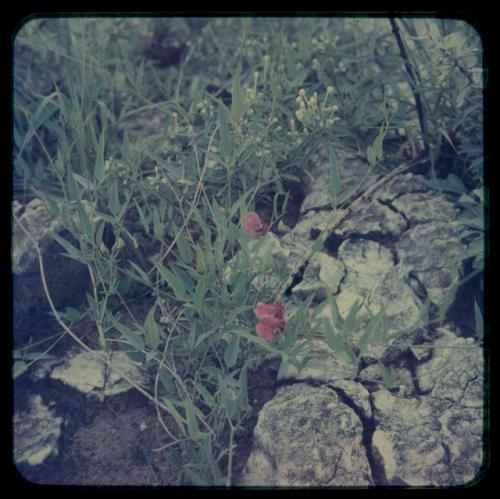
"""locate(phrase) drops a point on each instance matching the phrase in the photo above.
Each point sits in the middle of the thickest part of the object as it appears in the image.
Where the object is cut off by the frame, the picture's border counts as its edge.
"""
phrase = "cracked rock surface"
(408, 412)
(307, 436)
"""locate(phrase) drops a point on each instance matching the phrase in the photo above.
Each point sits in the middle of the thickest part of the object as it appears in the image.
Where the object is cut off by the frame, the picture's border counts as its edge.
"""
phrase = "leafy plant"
(150, 152)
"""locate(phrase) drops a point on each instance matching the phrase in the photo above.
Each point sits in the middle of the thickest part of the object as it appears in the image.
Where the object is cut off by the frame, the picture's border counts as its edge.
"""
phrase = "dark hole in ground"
(296, 194)
(461, 312)
(332, 244)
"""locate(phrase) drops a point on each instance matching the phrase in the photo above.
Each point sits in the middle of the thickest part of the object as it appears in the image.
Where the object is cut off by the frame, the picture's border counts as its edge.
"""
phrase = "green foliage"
(167, 157)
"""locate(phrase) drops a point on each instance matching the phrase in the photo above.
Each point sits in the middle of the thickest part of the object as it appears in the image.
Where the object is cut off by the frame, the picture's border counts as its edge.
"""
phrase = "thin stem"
(230, 459)
(193, 205)
(413, 77)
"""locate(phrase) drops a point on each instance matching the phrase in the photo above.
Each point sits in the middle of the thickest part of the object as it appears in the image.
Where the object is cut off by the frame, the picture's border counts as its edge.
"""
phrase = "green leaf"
(203, 336)
(200, 292)
(220, 217)
(141, 275)
(331, 337)
(478, 320)
(207, 396)
(38, 118)
(370, 155)
(169, 406)
(237, 100)
(88, 228)
(113, 199)
(240, 203)
(99, 160)
(72, 314)
(192, 425)
(389, 376)
(318, 244)
(231, 351)
(167, 381)
(257, 340)
(336, 317)
(158, 226)
(336, 343)
(132, 338)
(305, 46)
(371, 330)
(225, 144)
(351, 320)
(143, 218)
(335, 183)
(152, 329)
(18, 368)
(72, 252)
(229, 402)
(243, 388)
(185, 251)
(173, 281)
(73, 189)
(195, 477)
(84, 182)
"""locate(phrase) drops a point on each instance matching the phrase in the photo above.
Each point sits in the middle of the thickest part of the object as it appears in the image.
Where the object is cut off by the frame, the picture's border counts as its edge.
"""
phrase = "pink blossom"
(271, 320)
(276, 309)
(252, 224)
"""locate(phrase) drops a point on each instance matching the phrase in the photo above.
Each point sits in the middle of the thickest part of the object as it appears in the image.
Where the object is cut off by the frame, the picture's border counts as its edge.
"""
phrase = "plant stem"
(230, 459)
(413, 77)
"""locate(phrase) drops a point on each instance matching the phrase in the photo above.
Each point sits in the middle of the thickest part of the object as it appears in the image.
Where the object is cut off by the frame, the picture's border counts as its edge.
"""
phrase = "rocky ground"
(409, 413)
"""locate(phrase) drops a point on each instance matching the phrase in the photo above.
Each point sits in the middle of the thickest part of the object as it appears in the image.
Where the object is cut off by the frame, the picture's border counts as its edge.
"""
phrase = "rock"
(67, 279)
(426, 207)
(36, 433)
(310, 225)
(397, 379)
(372, 217)
(435, 439)
(449, 371)
(325, 365)
(306, 436)
(322, 275)
(351, 169)
(372, 276)
(430, 249)
(402, 184)
(84, 372)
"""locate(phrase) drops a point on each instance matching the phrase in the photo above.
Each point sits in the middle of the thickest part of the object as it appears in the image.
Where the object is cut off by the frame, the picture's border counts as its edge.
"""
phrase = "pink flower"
(271, 320)
(276, 309)
(253, 225)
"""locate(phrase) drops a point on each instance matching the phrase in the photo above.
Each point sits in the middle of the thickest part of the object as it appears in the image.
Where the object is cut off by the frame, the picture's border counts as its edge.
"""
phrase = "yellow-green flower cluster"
(313, 114)
(118, 169)
(157, 180)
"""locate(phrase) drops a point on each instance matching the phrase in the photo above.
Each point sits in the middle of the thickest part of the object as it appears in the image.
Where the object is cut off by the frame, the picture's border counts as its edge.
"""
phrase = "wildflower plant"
(155, 172)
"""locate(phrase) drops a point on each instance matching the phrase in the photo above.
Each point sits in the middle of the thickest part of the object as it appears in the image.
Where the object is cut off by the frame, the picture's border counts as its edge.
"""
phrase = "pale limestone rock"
(306, 436)
(86, 373)
(36, 433)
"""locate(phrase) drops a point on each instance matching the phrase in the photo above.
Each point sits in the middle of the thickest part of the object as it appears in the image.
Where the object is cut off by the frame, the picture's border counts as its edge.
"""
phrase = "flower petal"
(251, 223)
(262, 309)
(276, 310)
(273, 322)
(265, 331)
